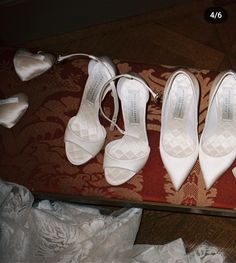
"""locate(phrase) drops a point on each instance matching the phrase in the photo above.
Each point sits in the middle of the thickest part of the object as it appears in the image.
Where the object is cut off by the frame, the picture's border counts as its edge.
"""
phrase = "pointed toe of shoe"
(178, 173)
(209, 180)
(210, 171)
(178, 179)
(213, 167)
(178, 168)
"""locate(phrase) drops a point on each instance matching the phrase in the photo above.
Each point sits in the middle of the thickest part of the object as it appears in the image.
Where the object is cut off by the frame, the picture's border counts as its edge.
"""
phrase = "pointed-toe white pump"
(217, 149)
(179, 121)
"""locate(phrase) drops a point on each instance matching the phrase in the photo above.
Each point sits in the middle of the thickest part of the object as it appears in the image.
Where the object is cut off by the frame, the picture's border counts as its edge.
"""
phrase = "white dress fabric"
(62, 232)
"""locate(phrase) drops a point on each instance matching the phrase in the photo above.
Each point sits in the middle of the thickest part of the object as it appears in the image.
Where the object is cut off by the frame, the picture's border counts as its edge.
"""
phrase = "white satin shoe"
(84, 135)
(126, 156)
(217, 149)
(179, 121)
(12, 109)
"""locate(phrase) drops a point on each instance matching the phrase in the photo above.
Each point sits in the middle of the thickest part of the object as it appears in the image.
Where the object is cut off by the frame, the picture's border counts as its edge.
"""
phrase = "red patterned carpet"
(33, 154)
(175, 36)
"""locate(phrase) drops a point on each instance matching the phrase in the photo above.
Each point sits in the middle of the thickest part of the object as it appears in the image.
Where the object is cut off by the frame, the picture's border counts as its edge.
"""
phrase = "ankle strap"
(116, 102)
(104, 90)
(61, 58)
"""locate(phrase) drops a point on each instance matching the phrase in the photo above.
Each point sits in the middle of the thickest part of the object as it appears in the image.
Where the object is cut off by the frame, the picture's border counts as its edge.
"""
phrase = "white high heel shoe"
(179, 121)
(84, 135)
(126, 156)
(217, 149)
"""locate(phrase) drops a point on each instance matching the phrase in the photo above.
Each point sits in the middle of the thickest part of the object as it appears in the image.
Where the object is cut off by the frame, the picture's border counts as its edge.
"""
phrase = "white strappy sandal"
(126, 156)
(84, 135)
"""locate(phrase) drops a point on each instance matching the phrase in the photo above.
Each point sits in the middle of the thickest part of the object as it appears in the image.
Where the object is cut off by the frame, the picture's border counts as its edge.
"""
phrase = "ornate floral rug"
(32, 153)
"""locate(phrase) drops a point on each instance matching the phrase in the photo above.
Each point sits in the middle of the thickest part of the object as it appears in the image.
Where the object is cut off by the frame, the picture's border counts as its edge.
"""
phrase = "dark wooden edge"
(94, 200)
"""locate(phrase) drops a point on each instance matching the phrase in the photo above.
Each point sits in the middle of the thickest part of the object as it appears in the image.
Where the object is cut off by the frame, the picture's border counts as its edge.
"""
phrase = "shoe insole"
(133, 96)
(177, 139)
(223, 140)
(86, 124)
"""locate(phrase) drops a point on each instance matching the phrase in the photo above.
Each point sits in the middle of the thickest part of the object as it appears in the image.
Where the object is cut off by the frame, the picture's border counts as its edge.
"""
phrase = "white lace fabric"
(208, 253)
(62, 232)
